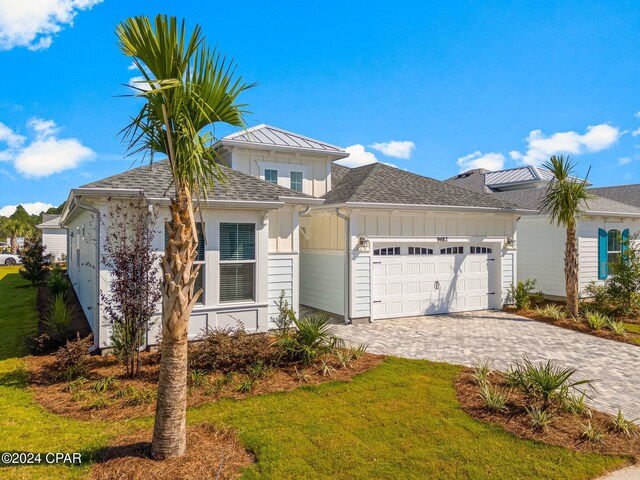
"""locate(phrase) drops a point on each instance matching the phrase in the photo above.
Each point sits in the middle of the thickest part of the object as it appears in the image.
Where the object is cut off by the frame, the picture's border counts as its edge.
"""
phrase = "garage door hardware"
(436, 285)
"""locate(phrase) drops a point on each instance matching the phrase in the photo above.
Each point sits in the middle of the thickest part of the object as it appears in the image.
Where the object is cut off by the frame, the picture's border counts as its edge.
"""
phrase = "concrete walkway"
(502, 337)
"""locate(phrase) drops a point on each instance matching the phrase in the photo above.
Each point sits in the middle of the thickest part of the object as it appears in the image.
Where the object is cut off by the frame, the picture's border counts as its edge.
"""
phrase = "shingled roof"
(629, 194)
(380, 183)
(156, 181)
(530, 198)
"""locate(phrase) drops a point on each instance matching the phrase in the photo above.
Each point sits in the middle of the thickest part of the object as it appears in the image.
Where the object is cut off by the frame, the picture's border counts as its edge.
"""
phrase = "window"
(296, 181)
(200, 260)
(387, 251)
(271, 176)
(237, 261)
(420, 251)
(452, 250)
(479, 250)
(611, 246)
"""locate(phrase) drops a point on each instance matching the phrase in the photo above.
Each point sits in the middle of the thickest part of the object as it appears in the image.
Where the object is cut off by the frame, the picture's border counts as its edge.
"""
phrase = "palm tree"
(564, 200)
(187, 88)
(14, 228)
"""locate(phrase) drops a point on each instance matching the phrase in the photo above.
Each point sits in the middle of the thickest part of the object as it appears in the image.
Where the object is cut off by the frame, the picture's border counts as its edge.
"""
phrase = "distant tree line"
(21, 224)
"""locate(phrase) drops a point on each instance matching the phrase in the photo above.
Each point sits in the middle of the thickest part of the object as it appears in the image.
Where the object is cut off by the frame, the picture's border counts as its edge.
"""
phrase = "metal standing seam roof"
(156, 181)
(380, 183)
(529, 173)
(269, 136)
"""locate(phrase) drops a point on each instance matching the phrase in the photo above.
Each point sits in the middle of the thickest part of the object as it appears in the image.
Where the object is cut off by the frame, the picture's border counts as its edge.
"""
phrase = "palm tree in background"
(187, 88)
(14, 228)
(564, 202)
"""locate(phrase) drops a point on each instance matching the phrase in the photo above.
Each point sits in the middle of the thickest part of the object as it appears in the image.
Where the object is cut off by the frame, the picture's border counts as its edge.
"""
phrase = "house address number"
(442, 239)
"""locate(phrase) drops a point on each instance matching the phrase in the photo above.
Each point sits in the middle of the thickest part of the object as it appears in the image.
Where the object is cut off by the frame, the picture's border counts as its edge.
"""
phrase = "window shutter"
(603, 266)
(625, 243)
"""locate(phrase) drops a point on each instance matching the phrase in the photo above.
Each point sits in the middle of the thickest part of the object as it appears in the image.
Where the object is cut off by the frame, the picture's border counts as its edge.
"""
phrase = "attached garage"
(425, 280)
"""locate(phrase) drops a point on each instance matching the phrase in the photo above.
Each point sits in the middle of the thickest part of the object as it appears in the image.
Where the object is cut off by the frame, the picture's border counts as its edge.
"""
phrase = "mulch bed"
(631, 338)
(79, 324)
(56, 397)
(565, 430)
(211, 453)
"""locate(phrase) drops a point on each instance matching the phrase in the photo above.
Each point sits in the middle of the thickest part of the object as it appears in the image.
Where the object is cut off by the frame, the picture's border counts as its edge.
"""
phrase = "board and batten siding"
(281, 271)
(55, 242)
(322, 280)
(508, 274)
(316, 170)
(323, 232)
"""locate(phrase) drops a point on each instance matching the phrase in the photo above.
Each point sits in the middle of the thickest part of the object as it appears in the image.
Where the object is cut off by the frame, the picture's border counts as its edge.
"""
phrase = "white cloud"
(541, 147)
(358, 157)
(488, 161)
(636, 132)
(395, 149)
(32, 208)
(132, 66)
(45, 154)
(140, 83)
(637, 114)
(624, 160)
(34, 23)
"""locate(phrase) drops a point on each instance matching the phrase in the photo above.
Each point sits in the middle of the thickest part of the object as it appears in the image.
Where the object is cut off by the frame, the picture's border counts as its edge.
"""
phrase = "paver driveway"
(502, 338)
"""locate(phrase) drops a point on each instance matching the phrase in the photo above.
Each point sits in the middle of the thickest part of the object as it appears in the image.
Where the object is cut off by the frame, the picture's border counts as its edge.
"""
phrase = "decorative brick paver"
(503, 337)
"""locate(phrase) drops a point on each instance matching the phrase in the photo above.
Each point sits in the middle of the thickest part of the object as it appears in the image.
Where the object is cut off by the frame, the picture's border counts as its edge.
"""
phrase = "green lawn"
(400, 420)
(18, 317)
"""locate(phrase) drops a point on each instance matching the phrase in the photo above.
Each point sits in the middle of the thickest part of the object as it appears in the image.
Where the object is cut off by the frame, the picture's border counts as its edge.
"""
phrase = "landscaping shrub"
(59, 315)
(617, 327)
(539, 418)
(620, 424)
(71, 358)
(591, 433)
(494, 398)
(312, 336)
(546, 381)
(552, 311)
(521, 293)
(285, 316)
(481, 371)
(35, 264)
(623, 283)
(599, 294)
(574, 404)
(357, 351)
(596, 320)
(58, 282)
(231, 349)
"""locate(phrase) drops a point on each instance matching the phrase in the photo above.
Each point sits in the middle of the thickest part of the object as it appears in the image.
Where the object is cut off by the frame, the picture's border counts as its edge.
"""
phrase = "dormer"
(520, 178)
(285, 158)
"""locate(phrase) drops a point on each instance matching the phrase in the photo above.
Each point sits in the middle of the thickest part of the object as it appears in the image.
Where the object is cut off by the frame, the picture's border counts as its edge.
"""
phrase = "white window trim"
(253, 261)
(301, 180)
(284, 172)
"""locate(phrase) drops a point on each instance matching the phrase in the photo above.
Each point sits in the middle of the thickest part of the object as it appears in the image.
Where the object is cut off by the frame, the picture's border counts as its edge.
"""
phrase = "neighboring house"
(54, 237)
(251, 226)
(540, 244)
(389, 243)
(629, 194)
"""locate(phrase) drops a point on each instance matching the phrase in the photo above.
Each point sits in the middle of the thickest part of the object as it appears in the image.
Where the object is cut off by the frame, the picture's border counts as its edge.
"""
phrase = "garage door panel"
(405, 285)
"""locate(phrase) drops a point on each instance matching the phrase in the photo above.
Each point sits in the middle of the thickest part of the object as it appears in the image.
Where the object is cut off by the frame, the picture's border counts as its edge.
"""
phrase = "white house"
(365, 243)
(540, 244)
(54, 237)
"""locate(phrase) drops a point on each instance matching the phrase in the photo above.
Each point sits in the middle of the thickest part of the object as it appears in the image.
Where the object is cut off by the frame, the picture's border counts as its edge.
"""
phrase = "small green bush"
(71, 359)
(357, 351)
(617, 327)
(105, 384)
(551, 310)
(58, 282)
(591, 433)
(326, 369)
(521, 293)
(481, 371)
(246, 385)
(574, 404)
(596, 320)
(198, 378)
(59, 315)
(494, 398)
(312, 336)
(539, 418)
(621, 424)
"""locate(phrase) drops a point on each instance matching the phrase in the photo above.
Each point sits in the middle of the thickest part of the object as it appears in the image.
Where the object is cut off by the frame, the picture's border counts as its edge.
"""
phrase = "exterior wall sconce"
(510, 242)
(363, 243)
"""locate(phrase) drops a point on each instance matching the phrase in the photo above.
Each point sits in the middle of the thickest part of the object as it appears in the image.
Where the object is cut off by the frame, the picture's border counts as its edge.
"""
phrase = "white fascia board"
(595, 213)
(302, 200)
(245, 204)
(282, 148)
(435, 208)
(96, 192)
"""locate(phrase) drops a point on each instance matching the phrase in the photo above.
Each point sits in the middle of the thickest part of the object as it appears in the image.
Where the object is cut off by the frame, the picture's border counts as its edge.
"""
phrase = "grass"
(634, 328)
(18, 316)
(400, 420)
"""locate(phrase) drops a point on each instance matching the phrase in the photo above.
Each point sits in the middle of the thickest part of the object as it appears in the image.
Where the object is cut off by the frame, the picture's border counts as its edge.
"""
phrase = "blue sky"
(458, 84)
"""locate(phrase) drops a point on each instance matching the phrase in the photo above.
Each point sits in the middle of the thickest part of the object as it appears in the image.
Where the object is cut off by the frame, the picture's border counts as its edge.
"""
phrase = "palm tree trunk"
(571, 271)
(14, 244)
(169, 432)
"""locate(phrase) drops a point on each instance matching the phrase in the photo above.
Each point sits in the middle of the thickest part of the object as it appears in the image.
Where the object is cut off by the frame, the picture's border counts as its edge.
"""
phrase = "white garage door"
(420, 280)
